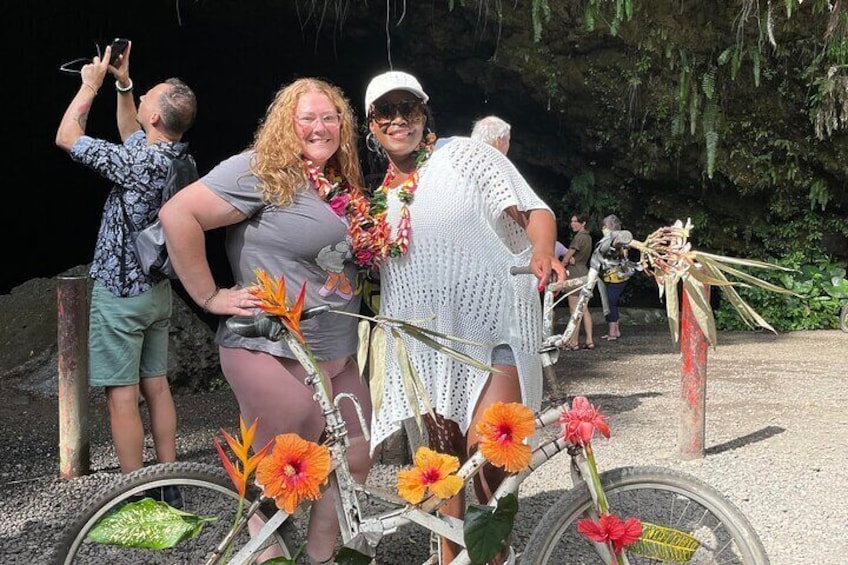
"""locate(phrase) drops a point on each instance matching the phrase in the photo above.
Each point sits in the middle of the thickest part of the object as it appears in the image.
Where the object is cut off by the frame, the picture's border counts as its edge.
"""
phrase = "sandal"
(571, 347)
(589, 345)
(612, 338)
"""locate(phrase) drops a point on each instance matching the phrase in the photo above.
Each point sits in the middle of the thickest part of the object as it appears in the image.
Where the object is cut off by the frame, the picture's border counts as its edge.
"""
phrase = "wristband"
(123, 89)
(208, 300)
(94, 90)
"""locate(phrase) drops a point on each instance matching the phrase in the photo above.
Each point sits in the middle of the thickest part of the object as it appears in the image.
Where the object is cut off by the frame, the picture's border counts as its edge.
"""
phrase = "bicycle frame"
(363, 534)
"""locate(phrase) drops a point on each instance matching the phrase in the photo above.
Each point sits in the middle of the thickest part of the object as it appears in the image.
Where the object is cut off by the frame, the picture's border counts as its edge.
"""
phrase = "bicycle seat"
(267, 325)
(261, 325)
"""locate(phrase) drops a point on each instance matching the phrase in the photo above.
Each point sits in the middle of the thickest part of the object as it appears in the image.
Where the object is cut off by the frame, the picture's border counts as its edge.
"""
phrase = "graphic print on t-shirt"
(331, 258)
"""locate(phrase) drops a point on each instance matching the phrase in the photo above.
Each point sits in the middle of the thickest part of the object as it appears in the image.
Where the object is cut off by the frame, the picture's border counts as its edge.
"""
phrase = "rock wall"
(29, 340)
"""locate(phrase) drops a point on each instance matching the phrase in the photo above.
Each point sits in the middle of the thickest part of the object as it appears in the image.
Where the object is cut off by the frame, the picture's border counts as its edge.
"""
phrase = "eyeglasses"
(329, 120)
(384, 112)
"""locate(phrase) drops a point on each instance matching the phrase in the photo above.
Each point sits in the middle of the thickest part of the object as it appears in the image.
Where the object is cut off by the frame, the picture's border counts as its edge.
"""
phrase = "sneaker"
(172, 496)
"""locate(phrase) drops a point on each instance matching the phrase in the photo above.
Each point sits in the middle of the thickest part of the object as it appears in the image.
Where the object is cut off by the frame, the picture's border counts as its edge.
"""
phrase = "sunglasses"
(411, 110)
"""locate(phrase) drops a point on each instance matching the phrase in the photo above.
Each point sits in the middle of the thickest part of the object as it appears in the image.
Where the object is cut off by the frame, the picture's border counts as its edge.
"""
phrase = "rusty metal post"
(693, 385)
(74, 446)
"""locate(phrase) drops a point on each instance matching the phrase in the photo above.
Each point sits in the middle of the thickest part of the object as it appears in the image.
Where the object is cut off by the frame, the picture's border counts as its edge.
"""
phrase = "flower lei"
(370, 233)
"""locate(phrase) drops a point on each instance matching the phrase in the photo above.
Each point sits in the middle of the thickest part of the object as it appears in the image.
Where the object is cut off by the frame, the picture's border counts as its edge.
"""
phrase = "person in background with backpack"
(130, 311)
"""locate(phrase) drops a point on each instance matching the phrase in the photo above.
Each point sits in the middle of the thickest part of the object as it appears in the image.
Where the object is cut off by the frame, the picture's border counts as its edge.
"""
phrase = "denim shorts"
(502, 355)
(128, 336)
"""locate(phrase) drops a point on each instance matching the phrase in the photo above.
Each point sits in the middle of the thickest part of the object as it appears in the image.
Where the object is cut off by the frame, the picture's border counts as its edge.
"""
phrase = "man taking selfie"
(130, 311)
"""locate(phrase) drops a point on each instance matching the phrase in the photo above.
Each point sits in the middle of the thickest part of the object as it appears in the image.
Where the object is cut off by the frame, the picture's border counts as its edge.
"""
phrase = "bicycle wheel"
(843, 319)
(663, 497)
(205, 491)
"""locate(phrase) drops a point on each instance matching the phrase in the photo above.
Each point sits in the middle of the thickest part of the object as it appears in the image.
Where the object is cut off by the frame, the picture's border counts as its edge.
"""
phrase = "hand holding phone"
(119, 45)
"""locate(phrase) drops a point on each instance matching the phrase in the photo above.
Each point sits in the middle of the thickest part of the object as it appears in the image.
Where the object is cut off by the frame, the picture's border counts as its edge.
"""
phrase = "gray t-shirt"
(305, 241)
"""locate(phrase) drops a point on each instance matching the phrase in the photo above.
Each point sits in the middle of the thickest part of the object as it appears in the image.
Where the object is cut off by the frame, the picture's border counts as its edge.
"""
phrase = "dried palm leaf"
(364, 332)
(667, 255)
(378, 367)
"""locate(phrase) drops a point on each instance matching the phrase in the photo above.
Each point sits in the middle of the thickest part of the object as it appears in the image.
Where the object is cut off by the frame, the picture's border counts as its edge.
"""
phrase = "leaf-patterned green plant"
(147, 524)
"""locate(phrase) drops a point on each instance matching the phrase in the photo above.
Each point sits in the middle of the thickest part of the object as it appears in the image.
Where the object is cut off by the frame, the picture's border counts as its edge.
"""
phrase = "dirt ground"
(776, 439)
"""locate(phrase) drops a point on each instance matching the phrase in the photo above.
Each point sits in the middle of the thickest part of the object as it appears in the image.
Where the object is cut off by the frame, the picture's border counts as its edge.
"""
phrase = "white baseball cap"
(392, 80)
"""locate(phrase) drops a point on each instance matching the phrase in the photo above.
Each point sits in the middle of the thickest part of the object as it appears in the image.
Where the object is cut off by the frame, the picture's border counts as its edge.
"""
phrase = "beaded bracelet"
(123, 89)
(208, 300)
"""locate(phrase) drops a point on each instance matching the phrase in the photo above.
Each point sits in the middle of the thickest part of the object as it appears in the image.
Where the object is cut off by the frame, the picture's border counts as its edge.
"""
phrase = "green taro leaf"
(487, 529)
(147, 524)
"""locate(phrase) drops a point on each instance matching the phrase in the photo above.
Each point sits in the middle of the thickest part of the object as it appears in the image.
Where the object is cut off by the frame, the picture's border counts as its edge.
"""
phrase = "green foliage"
(348, 556)
(487, 529)
(822, 287)
(147, 524)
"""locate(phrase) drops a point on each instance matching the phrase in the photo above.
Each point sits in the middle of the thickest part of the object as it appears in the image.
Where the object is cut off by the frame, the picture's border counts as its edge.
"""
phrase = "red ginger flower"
(433, 471)
(293, 471)
(503, 429)
(580, 422)
(610, 528)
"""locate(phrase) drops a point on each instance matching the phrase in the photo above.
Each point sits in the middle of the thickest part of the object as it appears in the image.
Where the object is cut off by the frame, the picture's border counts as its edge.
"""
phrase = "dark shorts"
(128, 336)
(502, 355)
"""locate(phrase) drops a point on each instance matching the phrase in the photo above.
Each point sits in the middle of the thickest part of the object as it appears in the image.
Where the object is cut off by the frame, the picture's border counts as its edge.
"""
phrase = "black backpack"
(148, 244)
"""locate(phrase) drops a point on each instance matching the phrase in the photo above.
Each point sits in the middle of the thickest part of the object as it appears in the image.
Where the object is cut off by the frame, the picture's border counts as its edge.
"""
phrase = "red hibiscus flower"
(610, 529)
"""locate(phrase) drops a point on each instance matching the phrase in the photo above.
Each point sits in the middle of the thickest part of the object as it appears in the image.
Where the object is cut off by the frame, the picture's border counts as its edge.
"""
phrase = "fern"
(708, 83)
(664, 544)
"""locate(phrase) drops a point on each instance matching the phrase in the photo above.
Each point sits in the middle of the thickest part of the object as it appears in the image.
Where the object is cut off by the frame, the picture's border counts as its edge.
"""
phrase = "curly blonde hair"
(278, 162)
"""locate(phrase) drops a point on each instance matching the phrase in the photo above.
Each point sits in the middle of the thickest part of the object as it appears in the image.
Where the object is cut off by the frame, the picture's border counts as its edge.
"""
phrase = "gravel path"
(776, 441)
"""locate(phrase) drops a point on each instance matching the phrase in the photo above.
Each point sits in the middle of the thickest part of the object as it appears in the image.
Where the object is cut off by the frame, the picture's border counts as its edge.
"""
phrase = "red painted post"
(693, 385)
(74, 447)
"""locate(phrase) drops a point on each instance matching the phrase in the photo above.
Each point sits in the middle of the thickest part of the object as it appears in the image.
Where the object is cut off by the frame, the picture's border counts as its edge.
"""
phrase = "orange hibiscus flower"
(272, 292)
(502, 430)
(293, 471)
(433, 471)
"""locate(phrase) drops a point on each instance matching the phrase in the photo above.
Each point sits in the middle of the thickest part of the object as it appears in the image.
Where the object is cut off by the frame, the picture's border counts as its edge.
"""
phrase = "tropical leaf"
(408, 376)
(672, 307)
(487, 529)
(364, 331)
(744, 262)
(450, 352)
(378, 367)
(147, 524)
(665, 545)
(696, 295)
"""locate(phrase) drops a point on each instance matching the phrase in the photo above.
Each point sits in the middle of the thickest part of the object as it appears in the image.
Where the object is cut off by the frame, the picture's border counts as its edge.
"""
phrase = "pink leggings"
(271, 388)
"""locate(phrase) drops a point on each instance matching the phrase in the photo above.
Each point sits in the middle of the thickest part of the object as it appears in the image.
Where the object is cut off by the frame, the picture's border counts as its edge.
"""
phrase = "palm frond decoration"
(375, 348)
(668, 256)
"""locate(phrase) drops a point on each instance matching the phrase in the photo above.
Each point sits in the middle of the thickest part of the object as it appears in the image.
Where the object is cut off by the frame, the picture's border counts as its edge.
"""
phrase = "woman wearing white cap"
(456, 220)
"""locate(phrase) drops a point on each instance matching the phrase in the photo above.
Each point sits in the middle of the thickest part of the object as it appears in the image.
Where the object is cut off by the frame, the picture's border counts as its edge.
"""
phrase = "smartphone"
(119, 45)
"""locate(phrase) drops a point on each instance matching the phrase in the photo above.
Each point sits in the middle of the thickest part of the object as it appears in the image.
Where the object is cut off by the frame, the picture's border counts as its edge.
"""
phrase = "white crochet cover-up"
(455, 279)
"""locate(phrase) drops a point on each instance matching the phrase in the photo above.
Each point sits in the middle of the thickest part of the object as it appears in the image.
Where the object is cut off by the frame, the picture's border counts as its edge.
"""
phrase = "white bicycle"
(665, 498)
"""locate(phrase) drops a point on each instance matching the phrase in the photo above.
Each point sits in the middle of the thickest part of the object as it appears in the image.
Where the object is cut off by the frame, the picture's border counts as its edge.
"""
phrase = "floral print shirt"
(138, 171)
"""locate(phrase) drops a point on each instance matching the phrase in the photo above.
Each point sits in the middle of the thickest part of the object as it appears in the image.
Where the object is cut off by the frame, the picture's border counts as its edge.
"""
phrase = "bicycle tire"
(843, 319)
(206, 491)
(664, 497)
